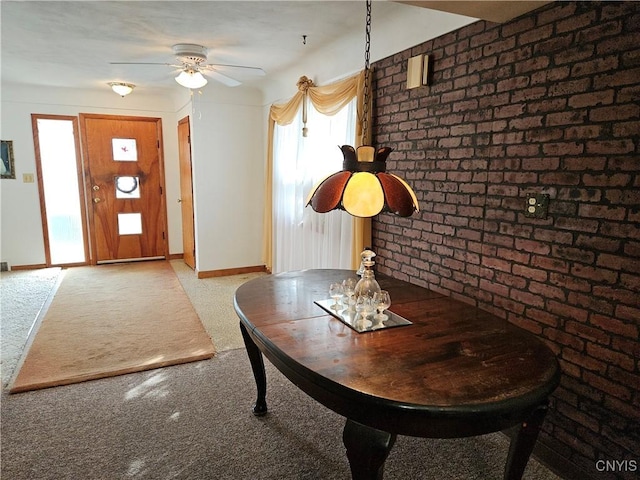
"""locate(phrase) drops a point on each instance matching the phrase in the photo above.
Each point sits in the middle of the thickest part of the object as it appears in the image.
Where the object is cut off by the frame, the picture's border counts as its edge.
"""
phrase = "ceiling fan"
(193, 63)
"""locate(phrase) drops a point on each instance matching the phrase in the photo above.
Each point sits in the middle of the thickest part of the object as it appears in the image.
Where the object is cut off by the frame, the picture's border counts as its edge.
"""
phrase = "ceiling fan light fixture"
(121, 88)
(191, 78)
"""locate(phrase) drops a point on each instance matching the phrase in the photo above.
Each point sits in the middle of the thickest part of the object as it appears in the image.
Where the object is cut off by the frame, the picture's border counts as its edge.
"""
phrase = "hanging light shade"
(363, 188)
(191, 78)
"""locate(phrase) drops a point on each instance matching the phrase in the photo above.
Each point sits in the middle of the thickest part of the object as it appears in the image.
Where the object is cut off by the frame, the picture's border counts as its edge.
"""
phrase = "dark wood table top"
(455, 362)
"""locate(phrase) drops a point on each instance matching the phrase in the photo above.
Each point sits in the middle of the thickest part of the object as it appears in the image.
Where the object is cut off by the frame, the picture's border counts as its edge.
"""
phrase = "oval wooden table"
(456, 371)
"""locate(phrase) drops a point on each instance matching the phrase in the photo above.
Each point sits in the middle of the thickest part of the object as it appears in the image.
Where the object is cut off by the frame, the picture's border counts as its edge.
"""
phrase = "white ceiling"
(70, 44)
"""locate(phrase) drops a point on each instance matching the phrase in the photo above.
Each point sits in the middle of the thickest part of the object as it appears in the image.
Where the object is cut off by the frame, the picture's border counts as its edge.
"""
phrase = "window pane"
(127, 187)
(124, 149)
(129, 223)
(61, 192)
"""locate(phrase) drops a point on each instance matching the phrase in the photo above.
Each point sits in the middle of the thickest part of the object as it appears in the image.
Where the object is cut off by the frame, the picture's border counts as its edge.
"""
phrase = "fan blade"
(228, 81)
(251, 70)
(144, 63)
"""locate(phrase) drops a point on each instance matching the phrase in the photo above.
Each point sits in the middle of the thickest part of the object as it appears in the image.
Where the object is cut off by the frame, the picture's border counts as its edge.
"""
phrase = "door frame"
(41, 192)
(87, 177)
(186, 204)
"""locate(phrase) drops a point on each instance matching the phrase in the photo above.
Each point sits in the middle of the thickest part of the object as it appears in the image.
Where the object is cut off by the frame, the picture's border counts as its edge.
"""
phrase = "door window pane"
(124, 149)
(129, 223)
(127, 187)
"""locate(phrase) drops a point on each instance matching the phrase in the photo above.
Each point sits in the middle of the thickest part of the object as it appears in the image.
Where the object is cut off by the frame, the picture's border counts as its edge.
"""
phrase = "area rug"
(110, 320)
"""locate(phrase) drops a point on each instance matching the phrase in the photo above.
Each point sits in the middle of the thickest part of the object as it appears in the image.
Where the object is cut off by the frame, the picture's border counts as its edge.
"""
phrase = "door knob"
(96, 200)
(96, 188)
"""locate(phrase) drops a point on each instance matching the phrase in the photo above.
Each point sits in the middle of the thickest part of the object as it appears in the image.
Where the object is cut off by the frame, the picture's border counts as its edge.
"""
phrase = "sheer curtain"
(328, 100)
(303, 238)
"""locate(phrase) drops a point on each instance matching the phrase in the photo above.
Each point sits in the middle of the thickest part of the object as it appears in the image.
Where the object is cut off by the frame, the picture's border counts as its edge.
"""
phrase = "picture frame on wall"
(7, 166)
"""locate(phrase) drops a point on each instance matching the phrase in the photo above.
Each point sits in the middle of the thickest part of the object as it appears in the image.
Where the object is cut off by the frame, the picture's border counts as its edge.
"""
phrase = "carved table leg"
(367, 450)
(523, 442)
(257, 365)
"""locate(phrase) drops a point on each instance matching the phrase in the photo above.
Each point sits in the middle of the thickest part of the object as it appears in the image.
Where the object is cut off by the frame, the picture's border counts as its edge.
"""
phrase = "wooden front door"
(125, 187)
(186, 193)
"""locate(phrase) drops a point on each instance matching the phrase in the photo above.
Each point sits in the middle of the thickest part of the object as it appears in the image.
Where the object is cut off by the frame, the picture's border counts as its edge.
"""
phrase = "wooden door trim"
(87, 174)
(80, 178)
(188, 257)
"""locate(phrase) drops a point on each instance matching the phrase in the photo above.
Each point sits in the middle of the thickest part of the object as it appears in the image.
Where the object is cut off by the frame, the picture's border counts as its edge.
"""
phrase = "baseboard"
(29, 267)
(175, 256)
(231, 271)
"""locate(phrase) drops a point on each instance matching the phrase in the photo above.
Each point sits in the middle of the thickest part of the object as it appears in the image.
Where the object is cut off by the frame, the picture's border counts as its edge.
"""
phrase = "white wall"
(228, 170)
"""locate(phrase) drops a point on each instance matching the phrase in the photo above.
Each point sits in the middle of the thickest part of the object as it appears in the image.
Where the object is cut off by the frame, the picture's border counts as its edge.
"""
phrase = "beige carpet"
(109, 320)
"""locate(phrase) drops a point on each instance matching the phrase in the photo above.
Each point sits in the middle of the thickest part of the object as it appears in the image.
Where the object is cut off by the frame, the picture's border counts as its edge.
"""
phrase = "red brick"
(611, 357)
(627, 312)
(550, 75)
(508, 304)
(535, 35)
(589, 302)
(629, 94)
(563, 148)
(576, 22)
(614, 326)
(611, 147)
(527, 298)
(547, 291)
(528, 272)
(606, 260)
(599, 31)
(513, 83)
(577, 224)
(585, 361)
(578, 416)
(543, 316)
(591, 99)
(572, 55)
(585, 331)
(544, 163)
(612, 388)
(567, 311)
(594, 66)
(614, 113)
(525, 323)
(620, 77)
(630, 347)
(607, 180)
(570, 87)
(570, 282)
(573, 254)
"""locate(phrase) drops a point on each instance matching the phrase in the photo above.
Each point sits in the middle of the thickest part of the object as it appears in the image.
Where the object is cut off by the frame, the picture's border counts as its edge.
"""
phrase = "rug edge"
(28, 387)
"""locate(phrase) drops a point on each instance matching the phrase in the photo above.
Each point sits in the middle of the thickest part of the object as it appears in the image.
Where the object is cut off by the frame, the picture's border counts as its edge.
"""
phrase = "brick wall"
(548, 103)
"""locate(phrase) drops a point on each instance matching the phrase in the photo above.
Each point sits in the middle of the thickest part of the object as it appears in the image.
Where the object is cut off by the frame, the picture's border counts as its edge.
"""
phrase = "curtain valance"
(327, 99)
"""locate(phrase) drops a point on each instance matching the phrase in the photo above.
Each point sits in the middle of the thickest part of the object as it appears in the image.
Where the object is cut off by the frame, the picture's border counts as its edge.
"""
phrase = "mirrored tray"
(353, 320)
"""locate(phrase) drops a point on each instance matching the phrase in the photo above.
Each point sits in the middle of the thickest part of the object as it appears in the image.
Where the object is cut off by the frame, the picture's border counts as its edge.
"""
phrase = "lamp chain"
(365, 107)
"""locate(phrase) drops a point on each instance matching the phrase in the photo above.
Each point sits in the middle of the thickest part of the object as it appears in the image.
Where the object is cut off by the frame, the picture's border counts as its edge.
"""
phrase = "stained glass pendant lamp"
(363, 188)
